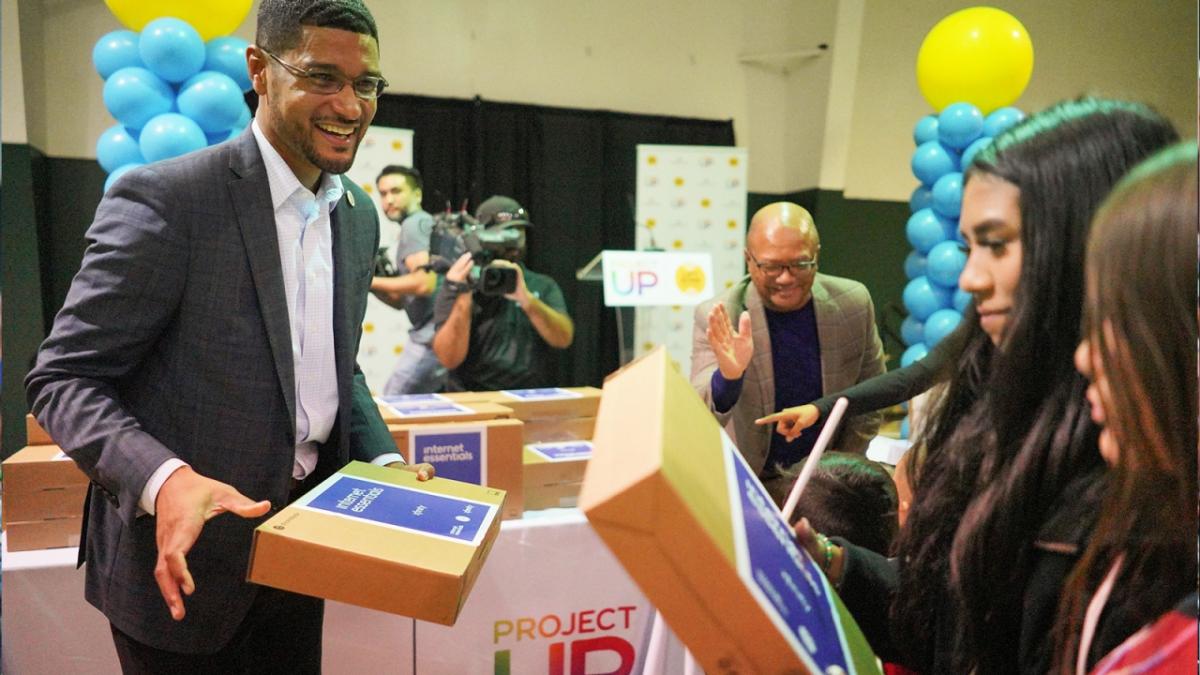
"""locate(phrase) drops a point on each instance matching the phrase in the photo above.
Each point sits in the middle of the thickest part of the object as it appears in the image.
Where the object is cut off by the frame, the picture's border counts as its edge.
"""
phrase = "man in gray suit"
(206, 351)
(798, 334)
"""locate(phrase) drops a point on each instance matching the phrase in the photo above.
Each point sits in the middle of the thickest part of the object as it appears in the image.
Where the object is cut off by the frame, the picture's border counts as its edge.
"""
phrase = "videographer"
(495, 328)
(408, 285)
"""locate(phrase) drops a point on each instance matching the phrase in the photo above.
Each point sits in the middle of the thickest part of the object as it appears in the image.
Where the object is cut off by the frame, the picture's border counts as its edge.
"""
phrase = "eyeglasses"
(327, 83)
(774, 269)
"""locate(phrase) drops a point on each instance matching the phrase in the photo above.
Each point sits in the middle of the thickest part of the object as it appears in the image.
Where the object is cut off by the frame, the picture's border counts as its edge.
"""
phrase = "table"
(550, 599)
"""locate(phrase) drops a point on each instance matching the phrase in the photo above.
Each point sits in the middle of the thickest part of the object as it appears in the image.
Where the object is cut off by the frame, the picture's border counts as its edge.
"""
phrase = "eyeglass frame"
(795, 267)
(311, 78)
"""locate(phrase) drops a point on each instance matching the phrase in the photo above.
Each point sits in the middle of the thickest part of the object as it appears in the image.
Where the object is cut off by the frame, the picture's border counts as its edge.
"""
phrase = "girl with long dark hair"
(1008, 471)
(1139, 352)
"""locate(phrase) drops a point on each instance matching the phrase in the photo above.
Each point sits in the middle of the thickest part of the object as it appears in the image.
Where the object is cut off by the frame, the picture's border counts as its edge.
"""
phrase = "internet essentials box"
(554, 473)
(673, 498)
(43, 499)
(483, 452)
(379, 538)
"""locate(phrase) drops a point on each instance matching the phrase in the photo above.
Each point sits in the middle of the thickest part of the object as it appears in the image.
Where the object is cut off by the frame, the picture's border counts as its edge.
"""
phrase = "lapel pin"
(350, 198)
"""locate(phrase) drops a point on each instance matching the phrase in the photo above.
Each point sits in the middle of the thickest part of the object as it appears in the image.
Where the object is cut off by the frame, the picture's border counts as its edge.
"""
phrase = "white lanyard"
(1092, 617)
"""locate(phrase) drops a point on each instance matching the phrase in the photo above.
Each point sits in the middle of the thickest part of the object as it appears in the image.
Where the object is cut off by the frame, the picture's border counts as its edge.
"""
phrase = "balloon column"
(971, 67)
(170, 91)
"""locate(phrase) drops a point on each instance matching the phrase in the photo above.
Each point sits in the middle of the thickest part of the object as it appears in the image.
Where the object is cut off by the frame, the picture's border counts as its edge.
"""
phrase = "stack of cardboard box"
(558, 427)
(43, 494)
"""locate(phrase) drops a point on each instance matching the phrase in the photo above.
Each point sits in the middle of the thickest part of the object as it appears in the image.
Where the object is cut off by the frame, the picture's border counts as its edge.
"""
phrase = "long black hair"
(1012, 429)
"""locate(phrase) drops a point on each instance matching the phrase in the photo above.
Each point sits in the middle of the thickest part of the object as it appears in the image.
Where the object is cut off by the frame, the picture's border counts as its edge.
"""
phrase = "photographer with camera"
(496, 320)
(403, 281)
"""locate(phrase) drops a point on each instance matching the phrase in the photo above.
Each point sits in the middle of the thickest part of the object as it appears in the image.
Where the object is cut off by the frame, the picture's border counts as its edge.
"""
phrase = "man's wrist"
(457, 287)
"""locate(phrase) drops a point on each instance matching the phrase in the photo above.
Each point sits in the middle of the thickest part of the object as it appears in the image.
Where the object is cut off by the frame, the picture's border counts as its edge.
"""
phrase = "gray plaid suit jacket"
(174, 341)
(851, 352)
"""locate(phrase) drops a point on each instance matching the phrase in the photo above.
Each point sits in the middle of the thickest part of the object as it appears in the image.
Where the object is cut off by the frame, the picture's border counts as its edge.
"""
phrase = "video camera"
(455, 233)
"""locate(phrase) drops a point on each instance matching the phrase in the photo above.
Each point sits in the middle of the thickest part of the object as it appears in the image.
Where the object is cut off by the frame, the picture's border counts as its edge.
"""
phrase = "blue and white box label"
(422, 405)
(402, 508)
(563, 451)
(787, 584)
(542, 394)
(458, 454)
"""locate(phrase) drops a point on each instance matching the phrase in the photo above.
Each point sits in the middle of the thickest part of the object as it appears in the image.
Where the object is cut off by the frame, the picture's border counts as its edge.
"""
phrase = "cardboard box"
(673, 498)
(34, 433)
(429, 408)
(554, 473)
(485, 452)
(41, 483)
(559, 429)
(377, 538)
(39, 534)
(534, 404)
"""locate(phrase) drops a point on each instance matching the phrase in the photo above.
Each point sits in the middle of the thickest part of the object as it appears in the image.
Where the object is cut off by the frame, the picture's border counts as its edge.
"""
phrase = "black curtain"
(573, 170)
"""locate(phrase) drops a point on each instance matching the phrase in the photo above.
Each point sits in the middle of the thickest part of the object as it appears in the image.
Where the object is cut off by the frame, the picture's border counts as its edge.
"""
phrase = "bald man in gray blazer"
(783, 336)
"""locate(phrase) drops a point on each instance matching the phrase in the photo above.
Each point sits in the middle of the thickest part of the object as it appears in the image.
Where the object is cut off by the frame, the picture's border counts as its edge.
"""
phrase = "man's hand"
(732, 349)
(521, 293)
(424, 471)
(789, 422)
(461, 268)
(185, 502)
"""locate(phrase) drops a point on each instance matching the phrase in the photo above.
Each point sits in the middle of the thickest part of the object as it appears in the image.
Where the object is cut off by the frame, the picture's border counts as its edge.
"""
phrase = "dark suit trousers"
(280, 634)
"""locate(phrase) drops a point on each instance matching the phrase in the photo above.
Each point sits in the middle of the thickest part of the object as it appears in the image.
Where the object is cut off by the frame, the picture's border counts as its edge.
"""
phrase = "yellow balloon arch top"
(980, 55)
(210, 18)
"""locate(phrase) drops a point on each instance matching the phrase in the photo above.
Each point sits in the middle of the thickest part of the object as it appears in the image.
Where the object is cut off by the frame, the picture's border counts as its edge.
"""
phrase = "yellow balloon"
(210, 18)
(980, 55)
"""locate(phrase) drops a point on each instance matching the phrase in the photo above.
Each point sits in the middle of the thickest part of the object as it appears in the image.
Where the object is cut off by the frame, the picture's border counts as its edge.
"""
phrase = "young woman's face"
(991, 225)
(1099, 396)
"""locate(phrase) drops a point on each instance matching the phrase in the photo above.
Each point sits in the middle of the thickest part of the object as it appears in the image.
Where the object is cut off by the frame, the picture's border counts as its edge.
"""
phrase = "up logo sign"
(584, 642)
(651, 278)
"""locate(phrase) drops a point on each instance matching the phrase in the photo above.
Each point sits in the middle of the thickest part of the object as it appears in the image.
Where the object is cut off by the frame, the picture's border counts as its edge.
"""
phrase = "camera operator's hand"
(521, 293)
(460, 270)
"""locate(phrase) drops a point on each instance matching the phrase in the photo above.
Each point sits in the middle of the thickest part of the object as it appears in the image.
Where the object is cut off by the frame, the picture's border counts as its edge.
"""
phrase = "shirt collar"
(283, 182)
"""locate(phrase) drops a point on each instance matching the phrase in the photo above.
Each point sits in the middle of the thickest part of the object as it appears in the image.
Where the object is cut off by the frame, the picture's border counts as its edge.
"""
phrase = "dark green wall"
(863, 240)
(23, 321)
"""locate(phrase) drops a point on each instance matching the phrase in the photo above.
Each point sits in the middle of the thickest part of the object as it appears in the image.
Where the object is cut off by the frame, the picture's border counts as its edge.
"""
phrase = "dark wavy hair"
(280, 22)
(1012, 429)
(847, 496)
(1140, 324)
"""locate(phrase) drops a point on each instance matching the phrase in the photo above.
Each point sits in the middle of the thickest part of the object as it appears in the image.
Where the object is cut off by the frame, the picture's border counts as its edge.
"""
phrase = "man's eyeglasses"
(326, 83)
(774, 269)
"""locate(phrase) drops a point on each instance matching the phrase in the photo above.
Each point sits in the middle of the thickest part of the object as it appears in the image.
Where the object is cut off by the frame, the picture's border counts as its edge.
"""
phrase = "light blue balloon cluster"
(946, 145)
(170, 92)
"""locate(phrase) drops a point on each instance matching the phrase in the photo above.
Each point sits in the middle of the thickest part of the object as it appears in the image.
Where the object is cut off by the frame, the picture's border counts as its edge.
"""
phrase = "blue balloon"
(120, 171)
(904, 429)
(243, 119)
(171, 48)
(116, 147)
(114, 51)
(962, 300)
(913, 354)
(212, 100)
(912, 331)
(134, 95)
(922, 298)
(959, 124)
(947, 194)
(228, 55)
(914, 265)
(973, 149)
(926, 129)
(921, 197)
(945, 264)
(933, 160)
(1001, 119)
(926, 229)
(940, 324)
(170, 135)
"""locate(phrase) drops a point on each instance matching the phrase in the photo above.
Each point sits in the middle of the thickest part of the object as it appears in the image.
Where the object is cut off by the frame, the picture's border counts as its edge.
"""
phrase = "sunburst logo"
(690, 278)
(397, 145)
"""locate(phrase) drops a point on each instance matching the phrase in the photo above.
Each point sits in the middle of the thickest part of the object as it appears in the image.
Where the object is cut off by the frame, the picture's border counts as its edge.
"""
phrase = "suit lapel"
(826, 314)
(342, 226)
(250, 192)
(762, 366)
